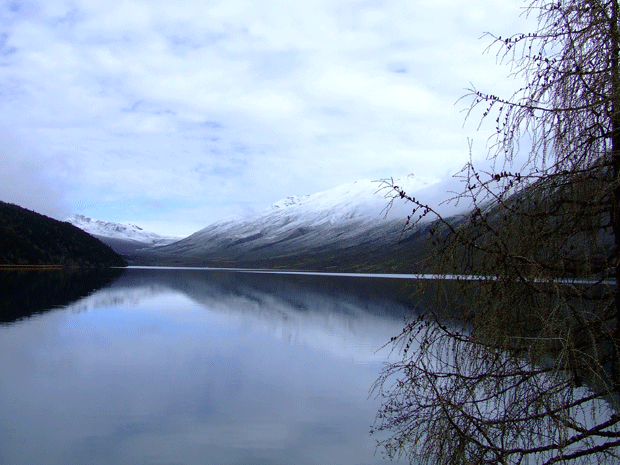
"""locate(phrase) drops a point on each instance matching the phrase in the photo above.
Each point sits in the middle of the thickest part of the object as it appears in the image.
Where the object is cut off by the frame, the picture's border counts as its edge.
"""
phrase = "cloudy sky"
(173, 115)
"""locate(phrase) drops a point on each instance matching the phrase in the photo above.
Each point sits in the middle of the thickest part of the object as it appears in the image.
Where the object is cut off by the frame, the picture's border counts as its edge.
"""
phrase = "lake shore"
(30, 267)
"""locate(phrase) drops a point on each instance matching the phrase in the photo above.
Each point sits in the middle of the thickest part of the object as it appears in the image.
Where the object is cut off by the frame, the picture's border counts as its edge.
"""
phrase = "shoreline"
(30, 267)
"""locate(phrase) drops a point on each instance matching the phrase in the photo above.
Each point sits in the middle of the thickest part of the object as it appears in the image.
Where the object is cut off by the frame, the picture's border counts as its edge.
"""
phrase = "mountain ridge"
(29, 238)
(347, 228)
(126, 231)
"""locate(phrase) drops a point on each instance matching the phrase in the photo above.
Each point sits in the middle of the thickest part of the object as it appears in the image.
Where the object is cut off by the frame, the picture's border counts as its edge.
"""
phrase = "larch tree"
(514, 357)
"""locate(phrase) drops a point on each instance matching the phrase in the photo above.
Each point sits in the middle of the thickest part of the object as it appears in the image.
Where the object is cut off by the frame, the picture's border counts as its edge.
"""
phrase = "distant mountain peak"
(123, 231)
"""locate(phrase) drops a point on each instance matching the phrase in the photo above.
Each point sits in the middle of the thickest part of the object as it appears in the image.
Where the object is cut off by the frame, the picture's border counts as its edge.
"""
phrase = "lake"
(171, 366)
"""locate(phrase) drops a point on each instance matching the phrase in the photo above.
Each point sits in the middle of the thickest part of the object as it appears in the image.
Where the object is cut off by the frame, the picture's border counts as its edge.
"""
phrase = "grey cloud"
(23, 182)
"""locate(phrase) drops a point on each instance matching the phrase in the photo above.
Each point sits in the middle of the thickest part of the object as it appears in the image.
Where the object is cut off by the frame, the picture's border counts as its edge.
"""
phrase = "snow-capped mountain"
(351, 219)
(325, 216)
(121, 237)
(360, 199)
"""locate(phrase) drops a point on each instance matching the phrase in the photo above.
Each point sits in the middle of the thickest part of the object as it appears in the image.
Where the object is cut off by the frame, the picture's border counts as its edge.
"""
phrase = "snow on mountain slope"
(360, 199)
(119, 231)
(348, 216)
(359, 202)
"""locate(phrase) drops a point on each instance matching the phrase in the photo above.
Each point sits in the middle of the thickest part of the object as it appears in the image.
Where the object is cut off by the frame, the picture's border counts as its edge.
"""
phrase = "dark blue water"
(192, 367)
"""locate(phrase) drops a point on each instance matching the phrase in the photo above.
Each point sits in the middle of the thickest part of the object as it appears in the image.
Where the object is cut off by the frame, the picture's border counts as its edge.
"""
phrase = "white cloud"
(209, 108)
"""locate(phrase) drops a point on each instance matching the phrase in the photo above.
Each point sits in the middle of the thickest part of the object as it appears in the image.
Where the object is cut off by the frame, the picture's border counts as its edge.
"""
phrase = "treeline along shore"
(30, 267)
(29, 240)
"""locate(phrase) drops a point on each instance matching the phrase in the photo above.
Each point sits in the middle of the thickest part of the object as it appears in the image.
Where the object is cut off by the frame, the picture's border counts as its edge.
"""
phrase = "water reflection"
(30, 292)
(199, 367)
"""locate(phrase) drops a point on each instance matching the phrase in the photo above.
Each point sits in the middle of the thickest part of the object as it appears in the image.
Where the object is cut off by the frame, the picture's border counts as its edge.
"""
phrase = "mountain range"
(122, 238)
(347, 228)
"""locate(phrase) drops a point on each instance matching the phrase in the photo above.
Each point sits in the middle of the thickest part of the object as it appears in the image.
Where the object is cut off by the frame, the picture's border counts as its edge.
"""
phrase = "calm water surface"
(192, 367)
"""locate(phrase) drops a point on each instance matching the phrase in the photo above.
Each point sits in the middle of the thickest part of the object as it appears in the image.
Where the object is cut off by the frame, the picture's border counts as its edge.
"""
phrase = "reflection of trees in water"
(487, 382)
(25, 293)
(525, 374)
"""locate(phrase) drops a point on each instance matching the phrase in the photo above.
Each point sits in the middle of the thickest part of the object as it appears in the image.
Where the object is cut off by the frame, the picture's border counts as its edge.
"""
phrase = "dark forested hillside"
(28, 238)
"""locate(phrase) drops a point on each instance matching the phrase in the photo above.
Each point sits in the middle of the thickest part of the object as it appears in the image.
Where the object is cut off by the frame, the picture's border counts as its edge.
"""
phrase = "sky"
(173, 115)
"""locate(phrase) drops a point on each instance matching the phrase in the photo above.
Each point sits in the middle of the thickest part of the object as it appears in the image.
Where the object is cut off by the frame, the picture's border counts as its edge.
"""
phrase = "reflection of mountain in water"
(327, 311)
(25, 293)
(328, 294)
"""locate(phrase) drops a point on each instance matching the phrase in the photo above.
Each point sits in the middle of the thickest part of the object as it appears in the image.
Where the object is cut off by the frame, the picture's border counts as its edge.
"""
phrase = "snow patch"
(126, 231)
